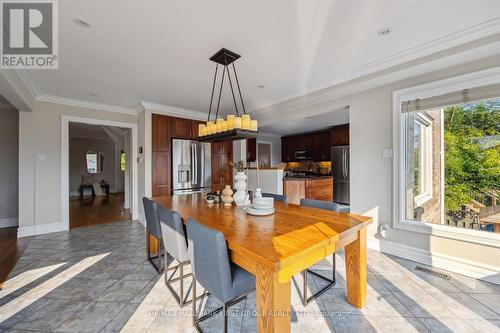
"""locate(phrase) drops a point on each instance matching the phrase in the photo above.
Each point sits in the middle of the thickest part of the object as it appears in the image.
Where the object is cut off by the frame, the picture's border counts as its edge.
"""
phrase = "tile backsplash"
(320, 167)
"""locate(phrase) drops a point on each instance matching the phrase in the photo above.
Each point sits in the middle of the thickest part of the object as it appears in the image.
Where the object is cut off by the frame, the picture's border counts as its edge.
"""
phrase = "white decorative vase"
(227, 196)
(241, 186)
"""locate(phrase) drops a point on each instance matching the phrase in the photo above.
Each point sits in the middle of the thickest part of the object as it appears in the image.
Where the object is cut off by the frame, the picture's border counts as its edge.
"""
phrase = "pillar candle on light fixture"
(237, 122)
(253, 125)
(224, 125)
(245, 122)
(230, 121)
(219, 124)
(210, 127)
(202, 130)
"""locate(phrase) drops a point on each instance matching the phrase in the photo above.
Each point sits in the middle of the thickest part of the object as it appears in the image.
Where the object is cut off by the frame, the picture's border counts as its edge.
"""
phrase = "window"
(94, 161)
(123, 161)
(449, 166)
(419, 160)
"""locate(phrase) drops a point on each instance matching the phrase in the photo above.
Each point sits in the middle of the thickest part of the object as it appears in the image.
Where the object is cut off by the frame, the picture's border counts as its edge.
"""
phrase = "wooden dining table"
(278, 246)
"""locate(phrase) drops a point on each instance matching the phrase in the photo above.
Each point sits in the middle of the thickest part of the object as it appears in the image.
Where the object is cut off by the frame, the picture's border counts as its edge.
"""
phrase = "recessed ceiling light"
(260, 86)
(81, 23)
(384, 31)
(94, 94)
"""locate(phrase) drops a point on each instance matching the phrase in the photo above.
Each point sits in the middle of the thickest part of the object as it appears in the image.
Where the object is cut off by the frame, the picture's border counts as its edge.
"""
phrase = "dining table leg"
(273, 302)
(355, 259)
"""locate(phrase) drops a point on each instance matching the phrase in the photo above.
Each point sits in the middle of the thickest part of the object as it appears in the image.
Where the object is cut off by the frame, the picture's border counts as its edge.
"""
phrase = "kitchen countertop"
(305, 178)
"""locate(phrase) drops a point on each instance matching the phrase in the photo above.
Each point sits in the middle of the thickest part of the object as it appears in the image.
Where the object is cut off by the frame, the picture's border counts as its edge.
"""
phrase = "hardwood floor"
(11, 249)
(97, 210)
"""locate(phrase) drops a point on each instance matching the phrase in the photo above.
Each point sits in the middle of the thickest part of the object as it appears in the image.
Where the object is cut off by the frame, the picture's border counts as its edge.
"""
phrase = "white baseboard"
(9, 222)
(473, 269)
(26, 231)
(141, 219)
(40, 229)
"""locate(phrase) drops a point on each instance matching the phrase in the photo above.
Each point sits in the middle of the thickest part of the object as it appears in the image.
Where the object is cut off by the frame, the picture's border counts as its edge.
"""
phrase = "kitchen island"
(310, 187)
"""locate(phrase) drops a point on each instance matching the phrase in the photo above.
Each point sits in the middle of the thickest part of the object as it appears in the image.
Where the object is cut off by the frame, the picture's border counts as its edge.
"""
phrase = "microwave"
(303, 154)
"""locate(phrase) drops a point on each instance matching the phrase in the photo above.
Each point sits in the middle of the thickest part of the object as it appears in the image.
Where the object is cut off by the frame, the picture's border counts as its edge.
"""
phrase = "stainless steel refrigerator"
(341, 174)
(191, 166)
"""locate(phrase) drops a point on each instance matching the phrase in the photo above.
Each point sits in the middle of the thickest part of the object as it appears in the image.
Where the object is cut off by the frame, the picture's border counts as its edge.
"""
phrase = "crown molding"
(84, 104)
(471, 34)
(173, 111)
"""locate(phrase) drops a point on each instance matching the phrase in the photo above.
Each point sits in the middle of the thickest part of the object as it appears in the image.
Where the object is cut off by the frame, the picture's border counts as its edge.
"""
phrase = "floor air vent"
(431, 272)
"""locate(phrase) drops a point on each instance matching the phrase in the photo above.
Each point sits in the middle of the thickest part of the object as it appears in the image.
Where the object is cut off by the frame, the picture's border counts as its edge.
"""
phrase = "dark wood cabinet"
(319, 141)
(161, 174)
(184, 128)
(222, 174)
(288, 149)
(339, 135)
(164, 128)
(321, 147)
(251, 150)
(161, 133)
(304, 141)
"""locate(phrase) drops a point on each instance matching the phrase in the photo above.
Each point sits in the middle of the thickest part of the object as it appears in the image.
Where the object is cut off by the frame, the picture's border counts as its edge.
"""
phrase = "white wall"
(78, 147)
(9, 149)
(371, 180)
(275, 147)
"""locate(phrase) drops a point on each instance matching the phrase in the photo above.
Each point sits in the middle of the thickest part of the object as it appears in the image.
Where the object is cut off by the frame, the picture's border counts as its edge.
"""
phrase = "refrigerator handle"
(192, 164)
(343, 163)
(346, 162)
(195, 164)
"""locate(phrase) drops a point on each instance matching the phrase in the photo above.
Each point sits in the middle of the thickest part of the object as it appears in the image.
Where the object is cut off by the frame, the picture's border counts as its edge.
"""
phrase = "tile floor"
(96, 279)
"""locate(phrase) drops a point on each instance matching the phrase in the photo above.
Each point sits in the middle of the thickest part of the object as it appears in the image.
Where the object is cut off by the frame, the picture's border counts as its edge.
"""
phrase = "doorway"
(97, 173)
(98, 179)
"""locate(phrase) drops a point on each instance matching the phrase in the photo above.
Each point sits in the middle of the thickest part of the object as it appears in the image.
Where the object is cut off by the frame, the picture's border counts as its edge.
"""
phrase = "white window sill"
(465, 235)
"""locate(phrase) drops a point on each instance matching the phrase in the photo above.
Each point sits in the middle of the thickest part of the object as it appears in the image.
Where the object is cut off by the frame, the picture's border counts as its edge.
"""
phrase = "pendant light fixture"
(236, 126)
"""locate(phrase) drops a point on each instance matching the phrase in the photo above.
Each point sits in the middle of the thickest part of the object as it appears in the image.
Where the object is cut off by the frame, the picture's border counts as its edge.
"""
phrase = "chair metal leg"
(331, 282)
(151, 259)
(197, 321)
(179, 297)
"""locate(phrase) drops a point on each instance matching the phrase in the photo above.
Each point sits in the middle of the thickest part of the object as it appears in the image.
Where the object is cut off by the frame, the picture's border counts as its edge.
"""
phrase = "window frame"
(426, 168)
(436, 88)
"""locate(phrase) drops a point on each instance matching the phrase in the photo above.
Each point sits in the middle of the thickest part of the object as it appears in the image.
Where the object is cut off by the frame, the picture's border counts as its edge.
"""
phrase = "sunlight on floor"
(26, 278)
(31, 296)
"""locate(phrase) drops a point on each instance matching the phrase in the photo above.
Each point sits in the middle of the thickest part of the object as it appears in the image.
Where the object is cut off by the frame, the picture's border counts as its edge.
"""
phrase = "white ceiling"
(157, 51)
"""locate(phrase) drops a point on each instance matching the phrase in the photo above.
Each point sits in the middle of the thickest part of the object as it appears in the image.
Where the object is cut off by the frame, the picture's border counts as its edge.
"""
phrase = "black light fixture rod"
(220, 92)
(239, 89)
(213, 88)
(232, 92)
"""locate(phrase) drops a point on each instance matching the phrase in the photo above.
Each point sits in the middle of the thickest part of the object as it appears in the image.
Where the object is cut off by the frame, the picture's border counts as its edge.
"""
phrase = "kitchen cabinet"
(161, 174)
(304, 141)
(321, 147)
(185, 128)
(288, 149)
(161, 133)
(222, 174)
(317, 189)
(339, 135)
(163, 129)
(252, 150)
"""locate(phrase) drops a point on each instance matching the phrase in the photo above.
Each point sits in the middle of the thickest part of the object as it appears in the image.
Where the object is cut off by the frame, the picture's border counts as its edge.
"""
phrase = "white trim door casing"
(457, 83)
(65, 120)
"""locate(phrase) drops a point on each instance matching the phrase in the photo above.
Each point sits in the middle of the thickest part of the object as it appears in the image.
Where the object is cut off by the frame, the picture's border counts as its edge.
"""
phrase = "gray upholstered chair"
(327, 205)
(225, 281)
(175, 244)
(277, 197)
(153, 229)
